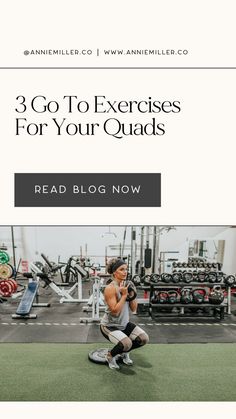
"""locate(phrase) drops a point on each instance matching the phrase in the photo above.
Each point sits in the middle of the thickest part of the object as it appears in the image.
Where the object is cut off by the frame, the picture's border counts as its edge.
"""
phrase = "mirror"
(208, 250)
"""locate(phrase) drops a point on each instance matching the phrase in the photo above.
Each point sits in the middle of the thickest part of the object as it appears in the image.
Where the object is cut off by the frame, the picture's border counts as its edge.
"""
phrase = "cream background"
(196, 156)
(203, 134)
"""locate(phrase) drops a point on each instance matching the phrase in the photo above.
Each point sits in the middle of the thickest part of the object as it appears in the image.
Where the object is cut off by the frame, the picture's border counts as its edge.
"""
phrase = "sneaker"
(126, 359)
(112, 362)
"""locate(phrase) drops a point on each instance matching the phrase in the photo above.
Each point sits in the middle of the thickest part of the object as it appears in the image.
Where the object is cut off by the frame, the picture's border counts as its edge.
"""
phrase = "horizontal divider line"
(117, 68)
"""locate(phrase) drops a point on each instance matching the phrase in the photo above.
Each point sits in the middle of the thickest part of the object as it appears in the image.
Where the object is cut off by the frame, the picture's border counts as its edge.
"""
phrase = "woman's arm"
(111, 299)
(133, 305)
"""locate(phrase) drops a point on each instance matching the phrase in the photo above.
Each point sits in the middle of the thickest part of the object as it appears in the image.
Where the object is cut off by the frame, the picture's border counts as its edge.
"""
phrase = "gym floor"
(61, 323)
(55, 366)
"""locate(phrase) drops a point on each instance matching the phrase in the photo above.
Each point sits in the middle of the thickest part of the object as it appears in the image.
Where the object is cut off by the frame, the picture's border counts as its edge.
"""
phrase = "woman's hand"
(123, 291)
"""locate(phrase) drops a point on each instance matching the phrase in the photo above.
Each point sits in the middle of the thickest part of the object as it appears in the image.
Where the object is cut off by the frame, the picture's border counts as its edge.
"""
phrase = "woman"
(115, 324)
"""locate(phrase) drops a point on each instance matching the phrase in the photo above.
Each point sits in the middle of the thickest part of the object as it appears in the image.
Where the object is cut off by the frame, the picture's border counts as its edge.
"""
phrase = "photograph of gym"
(118, 313)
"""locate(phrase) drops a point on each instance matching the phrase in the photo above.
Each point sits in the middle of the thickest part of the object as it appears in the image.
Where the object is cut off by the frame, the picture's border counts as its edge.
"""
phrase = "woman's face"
(121, 273)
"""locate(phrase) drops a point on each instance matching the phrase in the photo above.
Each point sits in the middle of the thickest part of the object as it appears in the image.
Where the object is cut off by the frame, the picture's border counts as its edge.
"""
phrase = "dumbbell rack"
(218, 309)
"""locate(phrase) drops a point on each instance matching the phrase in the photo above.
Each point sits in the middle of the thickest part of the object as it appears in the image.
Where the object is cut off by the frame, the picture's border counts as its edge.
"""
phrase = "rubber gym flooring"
(55, 365)
(62, 372)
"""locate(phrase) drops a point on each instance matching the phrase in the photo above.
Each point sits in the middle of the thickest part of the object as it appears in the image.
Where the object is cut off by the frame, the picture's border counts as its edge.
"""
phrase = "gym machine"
(27, 300)
(95, 303)
(66, 295)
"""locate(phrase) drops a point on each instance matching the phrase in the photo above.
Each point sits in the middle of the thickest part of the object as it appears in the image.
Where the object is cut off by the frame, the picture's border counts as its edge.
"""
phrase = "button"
(87, 189)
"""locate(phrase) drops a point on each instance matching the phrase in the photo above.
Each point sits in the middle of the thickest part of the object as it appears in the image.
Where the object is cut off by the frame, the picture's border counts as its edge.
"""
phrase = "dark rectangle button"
(87, 189)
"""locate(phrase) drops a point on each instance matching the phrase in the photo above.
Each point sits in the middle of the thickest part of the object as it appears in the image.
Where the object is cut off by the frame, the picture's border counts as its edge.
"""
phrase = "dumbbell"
(211, 277)
(177, 277)
(166, 278)
(187, 277)
(201, 276)
(230, 280)
(132, 293)
(155, 278)
(147, 279)
(136, 280)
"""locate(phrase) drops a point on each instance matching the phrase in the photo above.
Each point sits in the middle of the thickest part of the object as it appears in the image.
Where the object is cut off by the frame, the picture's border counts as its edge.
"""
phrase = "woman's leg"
(137, 335)
(122, 343)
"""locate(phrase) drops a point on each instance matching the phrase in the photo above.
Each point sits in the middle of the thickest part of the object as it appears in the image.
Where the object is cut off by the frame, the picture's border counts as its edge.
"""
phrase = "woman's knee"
(143, 339)
(127, 343)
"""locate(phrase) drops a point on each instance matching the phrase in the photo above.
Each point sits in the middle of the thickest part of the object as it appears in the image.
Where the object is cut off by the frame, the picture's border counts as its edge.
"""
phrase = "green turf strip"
(62, 372)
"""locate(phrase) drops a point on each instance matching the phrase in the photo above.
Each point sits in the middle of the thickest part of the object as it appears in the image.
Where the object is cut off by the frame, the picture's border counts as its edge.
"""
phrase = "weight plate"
(98, 355)
(6, 288)
(14, 284)
(5, 271)
(12, 269)
(4, 257)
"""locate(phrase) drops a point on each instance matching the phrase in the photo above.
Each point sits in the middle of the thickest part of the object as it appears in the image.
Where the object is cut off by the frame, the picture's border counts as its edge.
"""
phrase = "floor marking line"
(89, 324)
